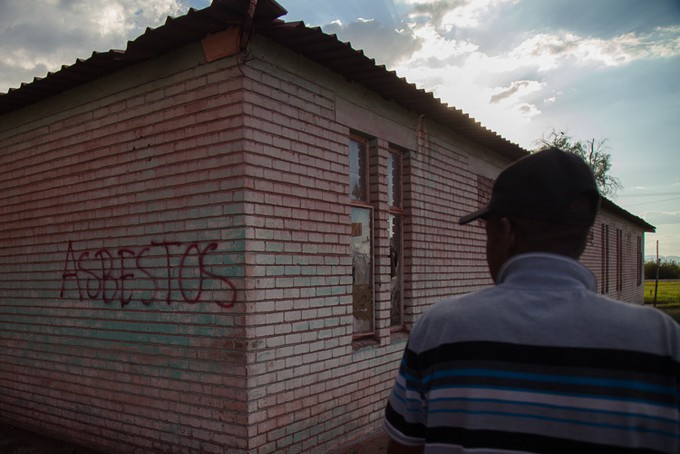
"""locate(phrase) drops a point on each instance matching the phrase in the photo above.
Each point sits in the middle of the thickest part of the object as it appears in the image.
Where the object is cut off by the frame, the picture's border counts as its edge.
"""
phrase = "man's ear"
(500, 243)
(509, 235)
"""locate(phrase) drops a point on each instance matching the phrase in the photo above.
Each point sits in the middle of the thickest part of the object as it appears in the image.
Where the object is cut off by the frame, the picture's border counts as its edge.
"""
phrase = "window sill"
(370, 340)
(399, 336)
(363, 342)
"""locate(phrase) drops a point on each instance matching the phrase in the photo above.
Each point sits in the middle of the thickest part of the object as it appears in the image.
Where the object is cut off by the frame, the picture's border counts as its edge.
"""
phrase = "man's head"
(544, 202)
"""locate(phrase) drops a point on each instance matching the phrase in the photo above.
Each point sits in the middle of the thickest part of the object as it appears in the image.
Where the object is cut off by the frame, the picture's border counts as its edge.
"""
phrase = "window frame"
(365, 203)
(366, 199)
(397, 211)
(640, 261)
(619, 260)
(605, 258)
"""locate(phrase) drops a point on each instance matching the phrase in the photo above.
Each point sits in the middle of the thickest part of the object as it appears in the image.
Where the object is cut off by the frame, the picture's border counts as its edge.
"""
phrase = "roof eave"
(611, 206)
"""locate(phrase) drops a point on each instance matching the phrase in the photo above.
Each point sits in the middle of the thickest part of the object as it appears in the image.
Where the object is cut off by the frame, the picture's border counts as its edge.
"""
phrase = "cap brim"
(479, 214)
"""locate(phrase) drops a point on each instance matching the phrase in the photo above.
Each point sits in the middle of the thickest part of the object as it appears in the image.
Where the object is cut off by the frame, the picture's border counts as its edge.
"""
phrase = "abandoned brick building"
(218, 239)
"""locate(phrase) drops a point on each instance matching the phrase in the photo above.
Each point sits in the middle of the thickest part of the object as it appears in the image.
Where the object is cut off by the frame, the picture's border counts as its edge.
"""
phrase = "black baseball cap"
(543, 186)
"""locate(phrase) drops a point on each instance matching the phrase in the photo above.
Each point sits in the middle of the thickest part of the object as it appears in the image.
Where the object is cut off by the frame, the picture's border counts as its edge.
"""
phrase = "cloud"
(550, 51)
(481, 57)
(450, 14)
(41, 35)
(436, 49)
(664, 42)
(515, 89)
(511, 86)
(435, 11)
(387, 45)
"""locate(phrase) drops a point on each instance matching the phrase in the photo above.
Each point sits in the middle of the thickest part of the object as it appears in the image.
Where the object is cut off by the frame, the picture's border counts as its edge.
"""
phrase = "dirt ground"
(375, 443)
(18, 441)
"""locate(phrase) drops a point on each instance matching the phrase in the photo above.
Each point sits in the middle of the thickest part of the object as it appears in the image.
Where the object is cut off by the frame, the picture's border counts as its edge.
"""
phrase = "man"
(540, 362)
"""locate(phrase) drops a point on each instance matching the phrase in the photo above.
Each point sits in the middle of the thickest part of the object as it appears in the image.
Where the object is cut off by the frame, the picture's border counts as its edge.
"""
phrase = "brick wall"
(312, 383)
(298, 261)
(446, 259)
(612, 255)
(122, 252)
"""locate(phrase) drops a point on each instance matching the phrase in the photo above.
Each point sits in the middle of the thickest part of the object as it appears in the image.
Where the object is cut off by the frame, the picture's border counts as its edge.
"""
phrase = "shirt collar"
(542, 269)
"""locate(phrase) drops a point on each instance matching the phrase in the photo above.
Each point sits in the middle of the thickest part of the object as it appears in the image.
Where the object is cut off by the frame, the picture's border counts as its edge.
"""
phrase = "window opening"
(640, 262)
(394, 225)
(605, 258)
(619, 260)
(361, 239)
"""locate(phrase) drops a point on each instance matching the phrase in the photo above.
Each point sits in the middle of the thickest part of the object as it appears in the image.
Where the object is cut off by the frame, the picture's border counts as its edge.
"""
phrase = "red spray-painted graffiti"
(127, 275)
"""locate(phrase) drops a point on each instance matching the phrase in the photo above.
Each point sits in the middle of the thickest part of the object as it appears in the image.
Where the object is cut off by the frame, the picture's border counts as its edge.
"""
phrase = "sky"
(595, 69)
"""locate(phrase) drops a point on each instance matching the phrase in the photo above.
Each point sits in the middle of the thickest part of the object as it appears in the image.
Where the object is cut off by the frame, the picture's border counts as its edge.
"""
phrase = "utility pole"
(658, 265)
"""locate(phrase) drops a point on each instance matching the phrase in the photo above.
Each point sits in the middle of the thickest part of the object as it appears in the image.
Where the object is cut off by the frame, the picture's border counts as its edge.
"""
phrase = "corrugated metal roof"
(324, 49)
(341, 58)
(175, 33)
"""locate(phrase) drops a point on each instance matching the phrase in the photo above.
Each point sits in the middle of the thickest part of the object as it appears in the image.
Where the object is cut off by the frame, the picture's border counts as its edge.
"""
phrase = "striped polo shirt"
(539, 363)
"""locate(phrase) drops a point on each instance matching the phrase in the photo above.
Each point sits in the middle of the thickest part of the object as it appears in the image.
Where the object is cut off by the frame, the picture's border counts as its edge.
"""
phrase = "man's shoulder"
(646, 320)
(457, 315)
(501, 315)
(475, 302)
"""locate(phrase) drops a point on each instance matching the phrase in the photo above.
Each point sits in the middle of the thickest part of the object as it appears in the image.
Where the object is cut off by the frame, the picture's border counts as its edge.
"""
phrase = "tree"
(592, 151)
(668, 269)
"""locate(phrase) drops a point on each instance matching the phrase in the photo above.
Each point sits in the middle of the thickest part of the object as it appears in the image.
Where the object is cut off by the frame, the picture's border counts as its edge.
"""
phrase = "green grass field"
(668, 297)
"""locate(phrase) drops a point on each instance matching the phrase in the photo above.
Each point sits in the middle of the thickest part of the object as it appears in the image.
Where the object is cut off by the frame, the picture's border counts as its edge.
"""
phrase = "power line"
(649, 203)
(651, 194)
